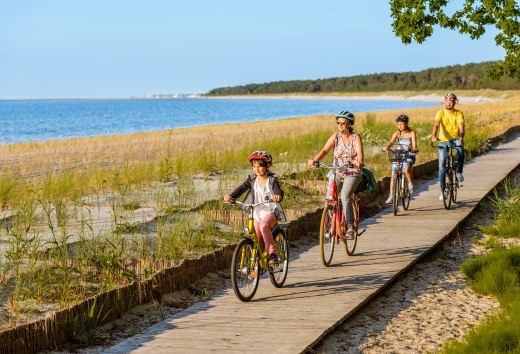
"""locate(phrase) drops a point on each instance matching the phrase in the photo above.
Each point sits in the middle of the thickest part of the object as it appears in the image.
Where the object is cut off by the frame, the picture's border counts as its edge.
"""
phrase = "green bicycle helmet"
(347, 115)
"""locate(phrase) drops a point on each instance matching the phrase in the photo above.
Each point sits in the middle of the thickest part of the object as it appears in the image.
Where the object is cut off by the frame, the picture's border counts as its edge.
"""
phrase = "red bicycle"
(333, 227)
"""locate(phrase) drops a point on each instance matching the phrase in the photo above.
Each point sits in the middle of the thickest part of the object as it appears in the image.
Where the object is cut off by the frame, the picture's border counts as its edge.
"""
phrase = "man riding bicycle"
(451, 133)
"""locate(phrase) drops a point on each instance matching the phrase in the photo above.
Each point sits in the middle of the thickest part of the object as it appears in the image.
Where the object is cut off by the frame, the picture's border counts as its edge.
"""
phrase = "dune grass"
(496, 274)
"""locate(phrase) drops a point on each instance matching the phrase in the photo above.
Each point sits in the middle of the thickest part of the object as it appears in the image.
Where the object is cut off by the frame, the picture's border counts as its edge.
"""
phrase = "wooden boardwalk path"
(316, 299)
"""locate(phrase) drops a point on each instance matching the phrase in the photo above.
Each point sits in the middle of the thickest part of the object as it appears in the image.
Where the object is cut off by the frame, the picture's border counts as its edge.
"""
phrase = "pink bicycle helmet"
(261, 155)
(451, 97)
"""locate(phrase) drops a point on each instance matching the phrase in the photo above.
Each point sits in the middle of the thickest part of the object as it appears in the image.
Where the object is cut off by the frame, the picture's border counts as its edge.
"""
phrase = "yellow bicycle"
(250, 262)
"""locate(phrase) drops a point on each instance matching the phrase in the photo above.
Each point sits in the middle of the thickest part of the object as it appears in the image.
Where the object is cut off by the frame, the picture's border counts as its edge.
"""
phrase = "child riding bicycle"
(262, 185)
(405, 137)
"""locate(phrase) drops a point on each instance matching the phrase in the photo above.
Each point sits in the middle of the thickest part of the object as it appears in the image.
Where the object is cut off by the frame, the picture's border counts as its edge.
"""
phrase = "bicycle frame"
(399, 188)
(250, 258)
(450, 183)
(332, 226)
(250, 232)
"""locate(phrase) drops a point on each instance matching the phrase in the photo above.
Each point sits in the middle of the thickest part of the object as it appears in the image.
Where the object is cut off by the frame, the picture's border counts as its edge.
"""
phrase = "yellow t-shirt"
(449, 124)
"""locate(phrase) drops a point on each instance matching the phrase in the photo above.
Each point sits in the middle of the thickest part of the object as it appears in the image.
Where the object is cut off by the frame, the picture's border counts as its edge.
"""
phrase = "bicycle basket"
(395, 155)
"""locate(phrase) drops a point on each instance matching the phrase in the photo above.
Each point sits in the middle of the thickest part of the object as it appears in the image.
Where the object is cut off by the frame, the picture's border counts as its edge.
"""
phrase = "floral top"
(346, 151)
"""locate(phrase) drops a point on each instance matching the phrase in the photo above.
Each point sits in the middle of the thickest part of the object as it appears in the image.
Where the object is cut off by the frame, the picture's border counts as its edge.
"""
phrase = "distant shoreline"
(464, 96)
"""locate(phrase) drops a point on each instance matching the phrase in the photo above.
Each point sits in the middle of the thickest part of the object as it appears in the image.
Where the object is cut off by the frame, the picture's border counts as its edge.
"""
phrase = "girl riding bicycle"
(347, 147)
(404, 136)
(262, 185)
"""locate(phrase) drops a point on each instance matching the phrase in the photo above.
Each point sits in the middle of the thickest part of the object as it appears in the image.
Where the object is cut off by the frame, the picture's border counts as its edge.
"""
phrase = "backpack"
(368, 182)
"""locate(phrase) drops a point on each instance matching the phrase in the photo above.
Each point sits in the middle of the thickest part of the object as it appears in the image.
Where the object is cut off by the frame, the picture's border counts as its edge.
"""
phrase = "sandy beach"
(433, 97)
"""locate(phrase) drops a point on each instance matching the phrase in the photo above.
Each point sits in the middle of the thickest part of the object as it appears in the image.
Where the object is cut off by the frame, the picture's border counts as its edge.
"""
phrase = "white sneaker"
(441, 197)
(390, 200)
(410, 188)
(460, 177)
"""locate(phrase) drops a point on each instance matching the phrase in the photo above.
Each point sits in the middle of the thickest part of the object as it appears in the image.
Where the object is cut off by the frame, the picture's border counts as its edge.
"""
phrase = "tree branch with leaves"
(414, 20)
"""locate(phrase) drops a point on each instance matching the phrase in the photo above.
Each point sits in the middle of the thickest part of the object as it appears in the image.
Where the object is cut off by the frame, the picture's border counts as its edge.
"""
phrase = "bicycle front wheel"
(396, 192)
(405, 194)
(245, 272)
(455, 186)
(446, 190)
(326, 237)
(350, 242)
(279, 273)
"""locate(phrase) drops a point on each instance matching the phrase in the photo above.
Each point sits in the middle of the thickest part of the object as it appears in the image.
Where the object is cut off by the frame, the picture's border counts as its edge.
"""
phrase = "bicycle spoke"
(279, 273)
(245, 273)
(326, 237)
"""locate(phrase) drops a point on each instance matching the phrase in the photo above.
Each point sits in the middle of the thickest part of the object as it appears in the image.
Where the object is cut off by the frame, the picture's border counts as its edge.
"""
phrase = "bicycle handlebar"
(347, 164)
(399, 148)
(445, 147)
(248, 205)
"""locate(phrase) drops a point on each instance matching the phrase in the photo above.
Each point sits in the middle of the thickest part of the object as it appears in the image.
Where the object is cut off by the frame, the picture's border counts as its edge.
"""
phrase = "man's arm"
(461, 131)
(436, 124)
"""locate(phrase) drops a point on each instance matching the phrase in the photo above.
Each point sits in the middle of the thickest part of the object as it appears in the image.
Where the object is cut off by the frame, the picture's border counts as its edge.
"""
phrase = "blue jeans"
(443, 154)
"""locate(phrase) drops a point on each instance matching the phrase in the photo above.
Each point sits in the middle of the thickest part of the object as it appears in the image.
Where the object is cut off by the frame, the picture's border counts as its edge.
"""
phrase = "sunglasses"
(341, 123)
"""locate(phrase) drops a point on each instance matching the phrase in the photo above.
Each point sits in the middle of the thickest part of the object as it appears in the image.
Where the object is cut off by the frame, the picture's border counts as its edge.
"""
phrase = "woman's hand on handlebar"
(311, 162)
(227, 198)
(276, 198)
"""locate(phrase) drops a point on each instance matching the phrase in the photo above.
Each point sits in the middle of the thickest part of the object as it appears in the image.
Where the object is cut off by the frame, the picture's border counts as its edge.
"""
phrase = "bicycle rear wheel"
(406, 194)
(279, 273)
(245, 272)
(326, 238)
(396, 192)
(350, 243)
(446, 190)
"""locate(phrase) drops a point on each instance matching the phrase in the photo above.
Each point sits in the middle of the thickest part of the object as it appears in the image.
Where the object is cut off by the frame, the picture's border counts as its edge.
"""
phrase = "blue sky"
(124, 48)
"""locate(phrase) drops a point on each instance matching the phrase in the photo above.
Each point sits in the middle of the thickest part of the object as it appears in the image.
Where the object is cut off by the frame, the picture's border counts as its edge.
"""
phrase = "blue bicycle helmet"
(347, 115)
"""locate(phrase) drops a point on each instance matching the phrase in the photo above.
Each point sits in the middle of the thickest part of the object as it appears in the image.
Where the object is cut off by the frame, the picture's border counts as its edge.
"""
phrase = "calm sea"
(38, 120)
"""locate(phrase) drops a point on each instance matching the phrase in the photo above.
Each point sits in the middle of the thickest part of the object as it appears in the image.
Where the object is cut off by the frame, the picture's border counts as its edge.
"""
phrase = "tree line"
(457, 77)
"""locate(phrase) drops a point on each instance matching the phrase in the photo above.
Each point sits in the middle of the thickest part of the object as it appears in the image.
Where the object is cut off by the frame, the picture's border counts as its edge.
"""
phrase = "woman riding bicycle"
(262, 185)
(404, 136)
(347, 147)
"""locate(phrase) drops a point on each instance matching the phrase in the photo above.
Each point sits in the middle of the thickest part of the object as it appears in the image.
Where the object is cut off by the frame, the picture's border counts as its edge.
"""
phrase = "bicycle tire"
(350, 244)
(455, 187)
(446, 191)
(279, 274)
(406, 195)
(326, 238)
(395, 186)
(245, 271)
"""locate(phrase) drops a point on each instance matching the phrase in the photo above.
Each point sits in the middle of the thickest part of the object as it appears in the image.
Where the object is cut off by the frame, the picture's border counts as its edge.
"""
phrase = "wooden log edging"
(64, 325)
(67, 324)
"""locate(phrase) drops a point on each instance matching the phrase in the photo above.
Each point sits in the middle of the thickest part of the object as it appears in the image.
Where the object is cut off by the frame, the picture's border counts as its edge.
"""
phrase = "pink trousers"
(263, 229)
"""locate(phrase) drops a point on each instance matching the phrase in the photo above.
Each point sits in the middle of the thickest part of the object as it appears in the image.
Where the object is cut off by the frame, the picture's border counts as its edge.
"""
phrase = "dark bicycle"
(397, 154)
(450, 183)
